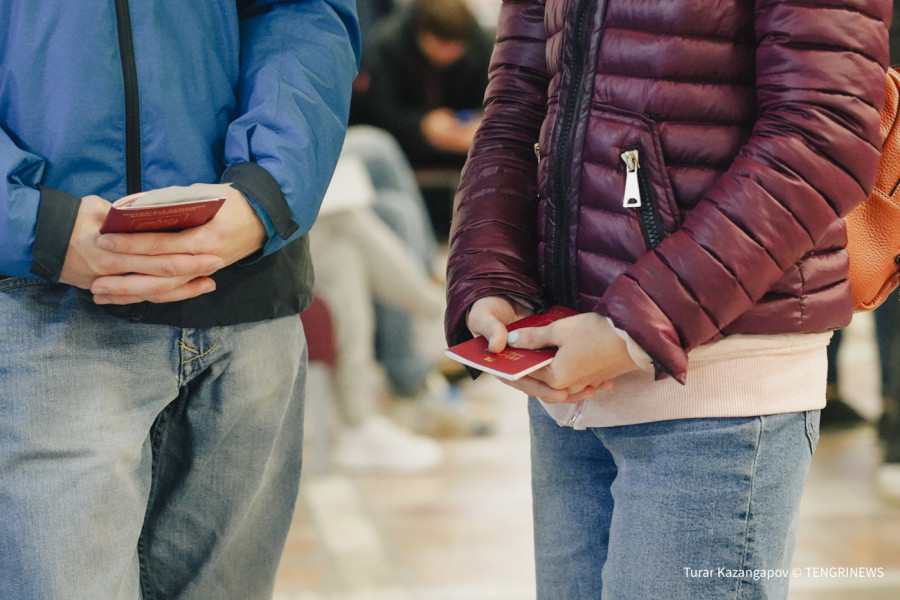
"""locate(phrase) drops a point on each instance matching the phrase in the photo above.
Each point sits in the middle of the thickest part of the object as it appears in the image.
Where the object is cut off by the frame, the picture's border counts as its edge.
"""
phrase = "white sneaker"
(888, 482)
(379, 444)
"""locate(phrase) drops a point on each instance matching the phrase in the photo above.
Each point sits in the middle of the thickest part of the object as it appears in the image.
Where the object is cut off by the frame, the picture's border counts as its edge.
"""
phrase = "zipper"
(132, 99)
(559, 283)
(632, 161)
(579, 408)
(637, 196)
(133, 175)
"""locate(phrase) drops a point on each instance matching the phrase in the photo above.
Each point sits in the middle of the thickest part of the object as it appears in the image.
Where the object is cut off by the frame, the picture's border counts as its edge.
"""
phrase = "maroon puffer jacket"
(755, 129)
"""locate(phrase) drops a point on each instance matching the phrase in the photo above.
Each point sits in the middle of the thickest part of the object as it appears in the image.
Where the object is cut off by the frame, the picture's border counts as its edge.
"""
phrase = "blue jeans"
(143, 461)
(400, 204)
(687, 509)
(395, 329)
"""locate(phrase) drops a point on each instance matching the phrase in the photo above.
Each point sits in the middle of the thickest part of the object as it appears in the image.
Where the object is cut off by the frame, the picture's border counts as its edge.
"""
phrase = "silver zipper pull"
(537, 150)
(632, 198)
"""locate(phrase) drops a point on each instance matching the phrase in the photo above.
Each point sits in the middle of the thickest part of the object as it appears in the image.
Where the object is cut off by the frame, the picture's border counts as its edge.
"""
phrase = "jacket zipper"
(637, 196)
(133, 175)
(559, 280)
(132, 99)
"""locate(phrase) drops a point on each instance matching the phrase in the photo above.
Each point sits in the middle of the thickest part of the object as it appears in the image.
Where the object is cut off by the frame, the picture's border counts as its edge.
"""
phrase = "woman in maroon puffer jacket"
(677, 171)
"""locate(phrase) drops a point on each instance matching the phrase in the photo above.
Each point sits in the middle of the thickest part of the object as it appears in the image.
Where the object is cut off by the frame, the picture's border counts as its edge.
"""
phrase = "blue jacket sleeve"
(20, 198)
(298, 61)
(35, 221)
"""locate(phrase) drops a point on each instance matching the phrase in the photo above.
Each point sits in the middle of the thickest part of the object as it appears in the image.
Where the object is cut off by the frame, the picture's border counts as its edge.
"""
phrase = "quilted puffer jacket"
(679, 166)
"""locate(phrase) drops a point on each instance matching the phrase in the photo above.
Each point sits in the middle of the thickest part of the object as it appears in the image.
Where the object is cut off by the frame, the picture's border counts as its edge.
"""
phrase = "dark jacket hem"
(56, 220)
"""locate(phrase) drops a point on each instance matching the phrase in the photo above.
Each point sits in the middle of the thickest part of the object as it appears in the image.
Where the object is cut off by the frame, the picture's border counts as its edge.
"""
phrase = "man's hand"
(444, 131)
(123, 268)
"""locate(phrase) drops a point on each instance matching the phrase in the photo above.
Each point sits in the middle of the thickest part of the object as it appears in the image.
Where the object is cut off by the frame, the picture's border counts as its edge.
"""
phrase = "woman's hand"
(490, 316)
(590, 356)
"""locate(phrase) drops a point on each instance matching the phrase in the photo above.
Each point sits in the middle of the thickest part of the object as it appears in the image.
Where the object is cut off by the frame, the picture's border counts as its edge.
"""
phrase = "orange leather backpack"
(873, 227)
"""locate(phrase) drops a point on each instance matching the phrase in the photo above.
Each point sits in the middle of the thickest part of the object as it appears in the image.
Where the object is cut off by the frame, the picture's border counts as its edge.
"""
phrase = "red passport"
(510, 363)
(165, 209)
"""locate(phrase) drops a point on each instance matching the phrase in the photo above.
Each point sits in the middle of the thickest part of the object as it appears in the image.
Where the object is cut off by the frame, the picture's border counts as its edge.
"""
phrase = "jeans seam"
(197, 353)
(156, 435)
(15, 283)
(812, 433)
(749, 511)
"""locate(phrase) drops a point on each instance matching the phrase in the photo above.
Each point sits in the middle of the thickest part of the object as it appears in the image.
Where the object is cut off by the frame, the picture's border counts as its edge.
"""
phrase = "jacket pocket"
(639, 196)
(624, 176)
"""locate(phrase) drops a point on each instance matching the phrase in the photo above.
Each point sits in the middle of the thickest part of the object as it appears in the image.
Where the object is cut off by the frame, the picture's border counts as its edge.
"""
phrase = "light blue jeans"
(682, 510)
(399, 203)
(143, 461)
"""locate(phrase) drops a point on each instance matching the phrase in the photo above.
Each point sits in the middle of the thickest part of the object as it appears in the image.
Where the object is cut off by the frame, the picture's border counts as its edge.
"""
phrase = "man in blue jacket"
(151, 384)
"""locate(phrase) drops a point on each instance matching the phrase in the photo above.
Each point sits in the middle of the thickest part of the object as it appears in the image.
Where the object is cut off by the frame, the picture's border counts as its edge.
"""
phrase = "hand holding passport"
(510, 363)
(164, 209)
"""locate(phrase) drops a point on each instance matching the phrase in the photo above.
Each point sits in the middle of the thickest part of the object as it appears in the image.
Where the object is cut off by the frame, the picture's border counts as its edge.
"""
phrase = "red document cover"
(511, 363)
(165, 209)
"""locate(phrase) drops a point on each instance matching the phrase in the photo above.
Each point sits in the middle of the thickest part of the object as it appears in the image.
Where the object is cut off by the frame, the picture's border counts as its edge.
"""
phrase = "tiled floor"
(463, 531)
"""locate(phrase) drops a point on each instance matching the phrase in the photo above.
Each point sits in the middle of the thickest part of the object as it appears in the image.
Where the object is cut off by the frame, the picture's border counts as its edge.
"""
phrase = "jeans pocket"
(812, 428)
(12, 283)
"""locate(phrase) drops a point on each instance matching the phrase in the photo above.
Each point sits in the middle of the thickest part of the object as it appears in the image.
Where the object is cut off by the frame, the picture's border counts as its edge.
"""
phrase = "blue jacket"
(110, 98)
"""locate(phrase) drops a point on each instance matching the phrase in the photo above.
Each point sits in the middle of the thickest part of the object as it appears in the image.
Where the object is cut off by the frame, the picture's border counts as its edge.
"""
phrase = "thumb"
(497, 337)
(491, 328)
(532, 338)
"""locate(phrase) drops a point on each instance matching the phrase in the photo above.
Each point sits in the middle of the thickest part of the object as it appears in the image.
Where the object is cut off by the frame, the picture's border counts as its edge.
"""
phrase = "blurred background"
(462, 530)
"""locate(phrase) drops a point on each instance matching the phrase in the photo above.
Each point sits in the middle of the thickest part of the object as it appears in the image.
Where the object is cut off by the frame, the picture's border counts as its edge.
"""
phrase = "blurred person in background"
(423, 81)
(427, 74)
(358, 259)
(418, 380)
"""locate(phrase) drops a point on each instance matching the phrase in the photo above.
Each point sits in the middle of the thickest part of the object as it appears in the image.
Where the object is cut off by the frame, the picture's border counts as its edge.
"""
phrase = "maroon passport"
(510, 363)
(165, 209)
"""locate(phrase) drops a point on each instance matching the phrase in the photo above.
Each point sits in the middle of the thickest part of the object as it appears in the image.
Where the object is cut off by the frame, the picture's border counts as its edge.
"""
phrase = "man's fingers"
(170, 265)
(146, 244)
(190, 241)
(128, 289)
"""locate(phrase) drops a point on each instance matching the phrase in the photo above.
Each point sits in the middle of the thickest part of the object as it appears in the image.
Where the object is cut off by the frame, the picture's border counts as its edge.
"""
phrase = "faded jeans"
(399, 203)
(143, 461)
(682, 510)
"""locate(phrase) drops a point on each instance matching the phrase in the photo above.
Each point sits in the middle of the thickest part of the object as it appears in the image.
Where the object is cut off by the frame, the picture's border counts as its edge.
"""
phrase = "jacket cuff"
(56, 220)
(637, 354)
(255, 182)
(631, 310)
